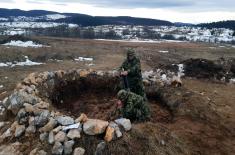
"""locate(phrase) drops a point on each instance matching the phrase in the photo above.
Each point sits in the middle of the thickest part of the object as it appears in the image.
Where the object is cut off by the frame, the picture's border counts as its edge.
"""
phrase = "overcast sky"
(191, 11)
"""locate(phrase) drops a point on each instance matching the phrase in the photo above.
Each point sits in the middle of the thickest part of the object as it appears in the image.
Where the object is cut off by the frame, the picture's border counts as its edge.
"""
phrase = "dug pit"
(95, 96)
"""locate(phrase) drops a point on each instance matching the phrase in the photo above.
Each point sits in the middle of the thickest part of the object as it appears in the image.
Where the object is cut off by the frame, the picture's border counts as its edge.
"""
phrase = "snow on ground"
(32, 24)
(142, 41)
(55, 16)
(3, 19)
(27, 62)
(3, 64)
(83, 59)
(163, 51)
(232, 80)
(1, 86)
(91, 64)
(23, 44)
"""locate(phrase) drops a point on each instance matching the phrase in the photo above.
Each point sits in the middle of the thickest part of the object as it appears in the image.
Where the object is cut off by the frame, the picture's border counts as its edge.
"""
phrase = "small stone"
(57, 129)
(49, 126)
(43, 136)
(51, 138)
(79, 151)
(32, 121)
(68, 147)
(82, 118)
(14, 125)
(110, 133)
(100, 148)
(21, 113)
(42, 152)
(65, 120)
(5, 135)
(74, 134)
(37, 152)
(34, 152)
(31, 129)
(42, 105)
(125, 123)
(19, 131)
(118, 133)
(3, 113)
(2, 124)
(28, 108)
(95, 126)
(60, 136)
(57, 149)
(42, 119)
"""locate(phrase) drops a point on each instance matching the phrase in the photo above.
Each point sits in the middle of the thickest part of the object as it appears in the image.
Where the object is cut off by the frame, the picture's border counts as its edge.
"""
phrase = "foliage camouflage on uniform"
(134, 76)
(134, 106)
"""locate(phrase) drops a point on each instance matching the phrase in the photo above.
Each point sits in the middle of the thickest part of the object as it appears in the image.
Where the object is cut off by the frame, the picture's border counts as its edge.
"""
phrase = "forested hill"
(230, 24)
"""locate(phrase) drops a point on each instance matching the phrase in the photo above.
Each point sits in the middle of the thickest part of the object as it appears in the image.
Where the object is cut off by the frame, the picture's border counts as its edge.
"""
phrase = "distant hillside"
(230, 24)
(82, 19)
(122, 20)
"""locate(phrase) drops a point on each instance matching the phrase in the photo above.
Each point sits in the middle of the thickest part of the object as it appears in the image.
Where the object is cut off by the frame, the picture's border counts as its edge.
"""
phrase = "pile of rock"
(30, 103)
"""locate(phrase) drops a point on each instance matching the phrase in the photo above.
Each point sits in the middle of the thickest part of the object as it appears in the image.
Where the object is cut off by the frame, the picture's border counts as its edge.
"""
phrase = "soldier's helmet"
(130, 52)
(122, 95)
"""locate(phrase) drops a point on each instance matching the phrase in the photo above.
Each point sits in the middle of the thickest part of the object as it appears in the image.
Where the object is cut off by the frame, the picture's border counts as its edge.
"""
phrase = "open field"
(182, 134)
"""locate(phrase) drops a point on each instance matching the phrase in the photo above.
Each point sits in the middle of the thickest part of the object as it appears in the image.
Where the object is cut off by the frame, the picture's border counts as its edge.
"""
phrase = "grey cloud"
(183, 5)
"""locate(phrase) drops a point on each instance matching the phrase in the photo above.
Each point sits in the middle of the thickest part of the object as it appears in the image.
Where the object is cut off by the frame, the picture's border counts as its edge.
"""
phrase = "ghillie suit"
(134, 107)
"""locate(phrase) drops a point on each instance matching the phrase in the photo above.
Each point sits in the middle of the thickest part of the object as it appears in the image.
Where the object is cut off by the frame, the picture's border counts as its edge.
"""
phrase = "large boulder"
(95, 126)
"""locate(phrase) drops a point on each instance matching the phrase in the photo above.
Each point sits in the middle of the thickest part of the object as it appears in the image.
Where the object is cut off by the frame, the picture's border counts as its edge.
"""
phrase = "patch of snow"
(30, 24)
(83, 59)
(1, 86)
(3, 64)
(27, 62)
(233, 46)
(23, 44)
(3, 19)
(232, 80)
(212, 47)
(55, 16)
(6, 77)
(163, 51)
(90, 64)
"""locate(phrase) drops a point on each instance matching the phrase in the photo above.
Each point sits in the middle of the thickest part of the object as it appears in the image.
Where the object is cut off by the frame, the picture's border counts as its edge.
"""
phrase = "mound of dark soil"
(202, 68)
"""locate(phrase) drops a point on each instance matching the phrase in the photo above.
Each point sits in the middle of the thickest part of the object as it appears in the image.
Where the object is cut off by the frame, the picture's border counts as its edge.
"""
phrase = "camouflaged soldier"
(132, 69)
(132, 106)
